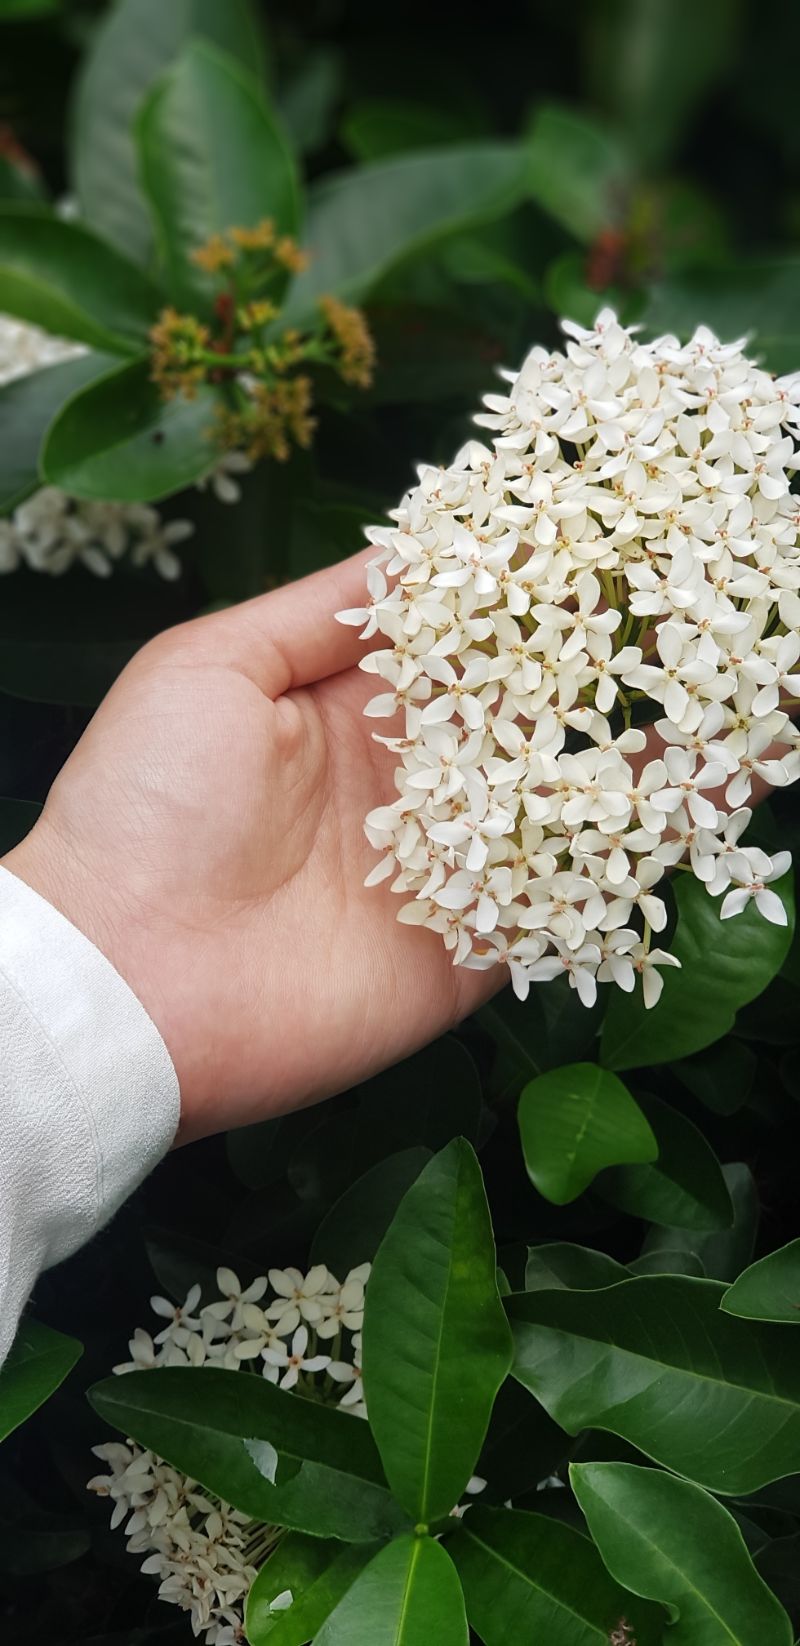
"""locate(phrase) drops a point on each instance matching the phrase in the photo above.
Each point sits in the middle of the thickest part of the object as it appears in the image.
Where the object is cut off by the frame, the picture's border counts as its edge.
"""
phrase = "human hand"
(207, 835)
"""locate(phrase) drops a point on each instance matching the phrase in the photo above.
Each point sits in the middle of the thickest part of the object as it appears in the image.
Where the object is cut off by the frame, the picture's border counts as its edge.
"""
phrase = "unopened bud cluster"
(625, 553)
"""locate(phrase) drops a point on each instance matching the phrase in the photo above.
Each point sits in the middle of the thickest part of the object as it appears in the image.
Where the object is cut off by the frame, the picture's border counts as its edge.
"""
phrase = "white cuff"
(89, 1098)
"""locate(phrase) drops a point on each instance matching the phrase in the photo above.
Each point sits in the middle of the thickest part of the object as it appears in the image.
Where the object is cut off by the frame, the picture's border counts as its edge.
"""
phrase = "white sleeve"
(88, 1095)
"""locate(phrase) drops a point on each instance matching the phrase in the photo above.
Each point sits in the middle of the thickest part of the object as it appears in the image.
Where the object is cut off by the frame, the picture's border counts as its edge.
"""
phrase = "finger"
(290, 637)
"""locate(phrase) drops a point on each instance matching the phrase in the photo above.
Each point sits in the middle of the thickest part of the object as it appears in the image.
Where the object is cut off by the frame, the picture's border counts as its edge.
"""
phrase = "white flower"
(768, 903)
(629, 534)
(294, 1359)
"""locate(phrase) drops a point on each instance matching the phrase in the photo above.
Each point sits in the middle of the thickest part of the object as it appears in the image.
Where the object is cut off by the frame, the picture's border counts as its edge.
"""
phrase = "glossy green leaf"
(62, 277)
(684, 1188)
(135, 42)
(655, 1361)
(436, 1342)
(211, 155)
(757, 299)
(378, 127)
(351, 1232)
(723, 965)
(721, 1077)
(666, 1260)
(769, 1289)
(574, 1122)
(38, 1361)
(408, 1595)
(267, 1451)
(27, 406)
(529, 1578)
(577, 1268)
(668, 1540)
(364, 222)
(117, 440)
(723, 1253)
(548, 1029)
(426, 1100)
(307, 102)
(580, 172)
(522, 1448)
(317, 1571)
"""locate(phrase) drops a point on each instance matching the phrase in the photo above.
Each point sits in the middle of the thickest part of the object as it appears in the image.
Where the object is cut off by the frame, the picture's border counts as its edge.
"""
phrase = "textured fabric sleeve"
(88, 1095)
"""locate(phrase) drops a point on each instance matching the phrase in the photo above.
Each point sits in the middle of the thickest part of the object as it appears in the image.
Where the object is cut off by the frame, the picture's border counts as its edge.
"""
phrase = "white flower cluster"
(627, 547)
(298, 1331)
(51, 531)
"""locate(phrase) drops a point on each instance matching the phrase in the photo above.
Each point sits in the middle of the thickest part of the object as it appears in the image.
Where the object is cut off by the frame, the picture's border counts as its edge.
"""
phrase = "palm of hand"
(207, 833)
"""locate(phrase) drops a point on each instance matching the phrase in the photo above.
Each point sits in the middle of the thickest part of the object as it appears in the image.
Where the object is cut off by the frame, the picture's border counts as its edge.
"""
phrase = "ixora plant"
(238, 1487)
(629, 547)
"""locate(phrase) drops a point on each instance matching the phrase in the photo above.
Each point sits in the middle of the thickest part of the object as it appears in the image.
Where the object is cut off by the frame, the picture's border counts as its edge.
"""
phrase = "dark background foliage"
(692, 212)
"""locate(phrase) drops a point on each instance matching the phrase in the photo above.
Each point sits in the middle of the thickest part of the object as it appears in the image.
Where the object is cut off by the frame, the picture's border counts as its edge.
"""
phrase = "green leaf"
(377, 127)
(527, 1577)
(548, 1029)
(522, 1448)
(78, 672)
(759, 299)
(576, 1268)
(408, 1595)
(721, 1077)
(269, 1452)
(580, 173)
(27, 406)
(575, 1121)
(364, 222)
(136, 41)
(723, 965)
(655, 1361)
(38, 1361)
(426, 1100)
(117, 440)
(318, 1572)
(211, 155)
(666, 1260)
(723, 1255)
(685, 1187)
(60, 276)
(670, 1541)
(307, 103)
(436, 1341)
(769, 1289)
(778, 1562)
(351, 1232)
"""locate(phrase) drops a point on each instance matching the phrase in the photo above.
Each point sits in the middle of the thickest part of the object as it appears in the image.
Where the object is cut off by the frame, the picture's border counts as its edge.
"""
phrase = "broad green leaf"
(655, 1361)
(548, 1029)
(567, 291)
(269, 1452)
(117, 440)
(351, 1232)
(211, 155)
(650, 64)
(378, 127)
(529, 1578)
(523, 1447)
(136, 41)
(307, 102)
(317, 1572)
(769, 1289)
(38, 1361)
(426, 1100)
(722, 1254)
(666, 1260)
(578, 1268)
(723, 965)
(722, 1076)
(668, 1540)
(580, 172)
(574, 1122)
(436, 1341)
(363, 222)
(408, 1595)
(61, 277)
(758, 299)
(27, 406)
(684, 1188)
